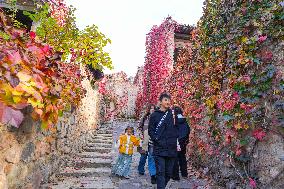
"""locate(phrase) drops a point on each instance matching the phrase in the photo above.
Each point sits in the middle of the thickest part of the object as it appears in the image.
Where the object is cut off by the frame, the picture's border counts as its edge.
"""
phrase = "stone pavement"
(91, 169)
(136, 181)
(144, 182)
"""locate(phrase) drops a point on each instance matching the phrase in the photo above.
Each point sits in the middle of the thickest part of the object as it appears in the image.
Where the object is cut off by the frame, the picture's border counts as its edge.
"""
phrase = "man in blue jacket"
(164, 135)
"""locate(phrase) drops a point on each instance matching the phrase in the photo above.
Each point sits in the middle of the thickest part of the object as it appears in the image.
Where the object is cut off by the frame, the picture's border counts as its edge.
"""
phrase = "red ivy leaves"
(226, 74)
(262, 38)
(110, 96)
(59, 11)
(10, 116)
(158, 61)
(32, 35)
(252, 183)
(35, 76)
(259, 134)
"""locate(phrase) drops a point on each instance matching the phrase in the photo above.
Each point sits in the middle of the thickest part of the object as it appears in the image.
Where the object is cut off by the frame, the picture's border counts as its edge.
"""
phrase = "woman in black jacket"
(183, 138)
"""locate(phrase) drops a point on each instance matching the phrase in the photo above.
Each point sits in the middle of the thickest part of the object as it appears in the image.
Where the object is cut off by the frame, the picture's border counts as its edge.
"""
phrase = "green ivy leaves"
(84, 46)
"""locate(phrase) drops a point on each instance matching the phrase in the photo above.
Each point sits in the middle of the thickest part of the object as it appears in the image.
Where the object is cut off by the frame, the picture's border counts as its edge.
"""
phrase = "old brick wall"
(29, 156)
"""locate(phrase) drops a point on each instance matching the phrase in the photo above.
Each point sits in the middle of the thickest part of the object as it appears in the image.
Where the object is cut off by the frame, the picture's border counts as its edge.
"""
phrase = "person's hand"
(178, 148)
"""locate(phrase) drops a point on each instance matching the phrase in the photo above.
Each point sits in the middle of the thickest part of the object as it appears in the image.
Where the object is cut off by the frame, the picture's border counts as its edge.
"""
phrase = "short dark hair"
(148, 109)
(164, 95)
(178, 110)
(129, 127)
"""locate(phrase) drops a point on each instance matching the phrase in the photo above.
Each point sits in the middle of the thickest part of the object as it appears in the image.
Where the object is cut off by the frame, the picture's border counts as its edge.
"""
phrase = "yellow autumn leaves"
(240, 125)
(210, 102)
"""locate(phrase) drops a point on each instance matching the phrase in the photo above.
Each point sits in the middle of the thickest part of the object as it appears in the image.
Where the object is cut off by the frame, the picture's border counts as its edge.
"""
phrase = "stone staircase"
(91, 168)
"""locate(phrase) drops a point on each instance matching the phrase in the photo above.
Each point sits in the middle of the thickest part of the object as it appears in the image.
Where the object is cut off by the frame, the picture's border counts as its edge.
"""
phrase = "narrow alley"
(91, 168)
(200, 83)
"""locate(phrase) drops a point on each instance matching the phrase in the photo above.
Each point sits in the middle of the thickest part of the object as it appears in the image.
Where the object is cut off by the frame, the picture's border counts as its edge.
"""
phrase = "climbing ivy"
(32, 74)
(158, 59)
(239, 81)
(229, 80)
(35, 68)
(107, 88)
(57, 27)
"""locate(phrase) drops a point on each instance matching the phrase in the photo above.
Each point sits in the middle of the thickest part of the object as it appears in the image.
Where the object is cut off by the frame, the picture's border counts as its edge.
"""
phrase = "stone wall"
(266, 160)
(263, 161)
(260, 159)
(138, 81)
(29, 156)
(119, 98)
(234, 64)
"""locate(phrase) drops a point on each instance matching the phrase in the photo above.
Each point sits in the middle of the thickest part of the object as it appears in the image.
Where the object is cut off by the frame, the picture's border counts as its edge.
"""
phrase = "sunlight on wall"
(89, 108)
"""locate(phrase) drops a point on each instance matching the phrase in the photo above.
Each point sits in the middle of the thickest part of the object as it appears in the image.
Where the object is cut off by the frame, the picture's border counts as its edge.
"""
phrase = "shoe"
(176, 178)
(141, 174)
(154, 179)
(126, 177)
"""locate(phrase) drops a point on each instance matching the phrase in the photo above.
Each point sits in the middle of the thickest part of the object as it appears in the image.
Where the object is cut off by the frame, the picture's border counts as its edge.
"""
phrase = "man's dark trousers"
(180, 164)
(164, 168)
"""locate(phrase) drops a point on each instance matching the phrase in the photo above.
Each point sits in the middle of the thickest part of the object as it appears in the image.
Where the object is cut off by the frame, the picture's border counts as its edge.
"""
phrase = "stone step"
(105, 127)
(97, 183)
(86, 172)
(104, 141)
(102, 137)
(104, 131)
(97, 149)
(92, 162)
(100, 144)
(82, 182)
(104, 134)
(95, 155)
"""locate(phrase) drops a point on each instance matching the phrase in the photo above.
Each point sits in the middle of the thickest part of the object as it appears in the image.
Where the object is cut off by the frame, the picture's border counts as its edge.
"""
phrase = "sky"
(126, 23)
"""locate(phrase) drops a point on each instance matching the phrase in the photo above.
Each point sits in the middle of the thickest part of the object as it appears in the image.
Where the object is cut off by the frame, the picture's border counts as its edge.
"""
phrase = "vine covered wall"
(229, 80)
(33, 74)
(138, 81)
(159, 59)
(29, 156)
(35, 69)
(241, 91)
(118, 95)
(48, 107)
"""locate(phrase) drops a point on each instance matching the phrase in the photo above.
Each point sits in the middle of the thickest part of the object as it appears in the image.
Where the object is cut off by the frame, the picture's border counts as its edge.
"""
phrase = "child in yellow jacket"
(126, 144)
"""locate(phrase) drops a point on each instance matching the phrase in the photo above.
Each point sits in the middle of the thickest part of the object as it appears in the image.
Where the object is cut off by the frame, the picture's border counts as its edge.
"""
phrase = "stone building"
(120, 97)
(179, 38)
